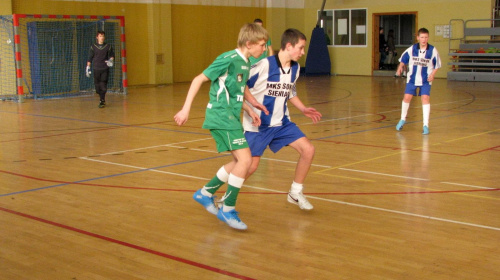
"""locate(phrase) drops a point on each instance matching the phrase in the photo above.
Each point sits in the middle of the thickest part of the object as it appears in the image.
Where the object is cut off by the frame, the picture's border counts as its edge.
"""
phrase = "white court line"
(313, 197)
(406, 213)
(472, 186)
(157, 146)
(143, 168)
(383, 174)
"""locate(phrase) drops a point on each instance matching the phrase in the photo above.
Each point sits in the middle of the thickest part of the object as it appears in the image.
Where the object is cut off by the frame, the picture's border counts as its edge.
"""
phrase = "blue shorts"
(412, 89)
(274, 137)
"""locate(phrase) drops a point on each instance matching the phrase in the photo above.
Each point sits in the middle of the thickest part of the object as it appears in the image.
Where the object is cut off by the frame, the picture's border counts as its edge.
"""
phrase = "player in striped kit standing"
(423, 62)
(272, 83)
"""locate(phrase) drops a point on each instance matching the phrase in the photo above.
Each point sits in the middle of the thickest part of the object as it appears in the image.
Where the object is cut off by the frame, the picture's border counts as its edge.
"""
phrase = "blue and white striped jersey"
(420, 63)
(272, 86)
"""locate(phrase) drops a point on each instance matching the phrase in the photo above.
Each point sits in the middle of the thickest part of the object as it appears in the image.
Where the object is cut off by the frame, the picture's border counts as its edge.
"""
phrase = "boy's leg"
(204, 196)
(253, 166)
(410, 90)
(103, 86)
(426, 111)
(306, 151)
(237, 176)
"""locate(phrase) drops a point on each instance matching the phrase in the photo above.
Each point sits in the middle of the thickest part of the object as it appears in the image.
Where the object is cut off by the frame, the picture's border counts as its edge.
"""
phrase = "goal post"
(44, 56)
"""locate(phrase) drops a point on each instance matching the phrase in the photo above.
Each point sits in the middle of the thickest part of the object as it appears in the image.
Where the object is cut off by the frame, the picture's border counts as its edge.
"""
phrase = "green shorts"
(229, 140)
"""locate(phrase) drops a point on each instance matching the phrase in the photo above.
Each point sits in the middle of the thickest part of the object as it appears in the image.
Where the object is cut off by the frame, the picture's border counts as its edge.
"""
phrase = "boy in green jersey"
(228, 75)
(269, 48)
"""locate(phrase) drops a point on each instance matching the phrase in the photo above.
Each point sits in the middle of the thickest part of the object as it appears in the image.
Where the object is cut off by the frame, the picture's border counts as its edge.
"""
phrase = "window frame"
(349, 27)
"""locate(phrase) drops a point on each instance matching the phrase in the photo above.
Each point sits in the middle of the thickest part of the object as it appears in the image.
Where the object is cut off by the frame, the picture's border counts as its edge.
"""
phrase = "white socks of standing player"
(404, 110)
(296, 188)
(426, 111)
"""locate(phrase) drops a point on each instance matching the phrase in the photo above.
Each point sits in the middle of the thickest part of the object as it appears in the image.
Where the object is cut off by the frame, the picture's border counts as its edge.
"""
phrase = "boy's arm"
(182, 116)
(309, 112)
(400, 68)
(249, 97)
(431, 76)
(252, 114)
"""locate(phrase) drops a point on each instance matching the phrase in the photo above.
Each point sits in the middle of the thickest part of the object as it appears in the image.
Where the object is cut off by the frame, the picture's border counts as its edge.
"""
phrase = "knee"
(246, 163)
(251, 170)
(308, 151)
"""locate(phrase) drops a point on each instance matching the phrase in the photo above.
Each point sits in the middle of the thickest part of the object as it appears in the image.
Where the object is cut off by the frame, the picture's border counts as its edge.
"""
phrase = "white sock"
(404, 110)
(426, 111)
(226, 208)
(296, 188)
(205, 193)
(235, 181)
(222, 174)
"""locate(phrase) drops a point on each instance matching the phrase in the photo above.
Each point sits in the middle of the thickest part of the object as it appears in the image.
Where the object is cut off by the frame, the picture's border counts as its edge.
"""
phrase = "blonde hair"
(252, 33)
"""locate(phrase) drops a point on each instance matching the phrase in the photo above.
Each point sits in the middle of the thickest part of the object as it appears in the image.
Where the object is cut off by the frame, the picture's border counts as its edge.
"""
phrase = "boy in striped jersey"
(272, 83)
(228, 75)
(423, 62)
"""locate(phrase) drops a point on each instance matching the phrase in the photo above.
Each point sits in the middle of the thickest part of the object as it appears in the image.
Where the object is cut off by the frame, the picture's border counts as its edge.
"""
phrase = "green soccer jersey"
(228, 74)
(265, 54)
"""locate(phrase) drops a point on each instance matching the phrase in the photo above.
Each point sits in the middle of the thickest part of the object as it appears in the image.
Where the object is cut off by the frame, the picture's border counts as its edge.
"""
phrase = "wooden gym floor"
(89, 193)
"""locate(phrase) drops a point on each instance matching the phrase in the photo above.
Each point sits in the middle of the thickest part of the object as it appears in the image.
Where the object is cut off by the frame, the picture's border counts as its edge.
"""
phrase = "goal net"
(44, 56)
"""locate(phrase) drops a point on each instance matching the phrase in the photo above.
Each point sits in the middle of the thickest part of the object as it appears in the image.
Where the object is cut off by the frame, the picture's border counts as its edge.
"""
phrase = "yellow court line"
(474, 135)
(466, 194)
(347, 177)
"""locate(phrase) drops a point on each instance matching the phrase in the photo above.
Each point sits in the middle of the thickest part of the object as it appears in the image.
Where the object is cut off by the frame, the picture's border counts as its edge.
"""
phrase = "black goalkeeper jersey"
(98, 54)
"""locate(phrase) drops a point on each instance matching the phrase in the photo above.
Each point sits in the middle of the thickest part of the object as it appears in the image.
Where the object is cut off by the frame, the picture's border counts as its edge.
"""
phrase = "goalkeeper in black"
(101, 56)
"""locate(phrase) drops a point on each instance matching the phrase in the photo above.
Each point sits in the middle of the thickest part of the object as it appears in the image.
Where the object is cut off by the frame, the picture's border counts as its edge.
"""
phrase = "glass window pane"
(358, 27)
(341, 28)
(407, 28)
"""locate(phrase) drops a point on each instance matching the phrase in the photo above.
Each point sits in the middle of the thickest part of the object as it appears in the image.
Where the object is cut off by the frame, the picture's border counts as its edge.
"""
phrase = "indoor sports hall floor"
(89, 193)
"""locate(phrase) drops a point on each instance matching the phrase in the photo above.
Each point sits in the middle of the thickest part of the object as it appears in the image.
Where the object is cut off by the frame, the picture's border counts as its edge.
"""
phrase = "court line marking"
(465, 185)
(156, 146)
(431, 189)
(473, 135)
(384, 174)
(324, 199)
(129, 245)
(405, 213)
(373, 114)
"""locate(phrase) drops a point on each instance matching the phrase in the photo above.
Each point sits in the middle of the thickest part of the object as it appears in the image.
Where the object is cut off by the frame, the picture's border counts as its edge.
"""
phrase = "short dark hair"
(291, 36)
(423, 30)
(257, 20)
(100, 32)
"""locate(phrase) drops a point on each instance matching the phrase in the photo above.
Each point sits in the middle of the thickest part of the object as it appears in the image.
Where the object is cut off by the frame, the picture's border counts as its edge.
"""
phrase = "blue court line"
(106, 123)
(114, 175)
(417, 121)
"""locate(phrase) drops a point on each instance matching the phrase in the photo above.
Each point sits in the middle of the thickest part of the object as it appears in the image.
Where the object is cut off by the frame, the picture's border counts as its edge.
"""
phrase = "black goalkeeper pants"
(101, 82)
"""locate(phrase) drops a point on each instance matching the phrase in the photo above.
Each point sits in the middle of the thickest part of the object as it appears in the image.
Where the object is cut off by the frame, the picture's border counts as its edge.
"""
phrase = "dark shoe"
(102, 104)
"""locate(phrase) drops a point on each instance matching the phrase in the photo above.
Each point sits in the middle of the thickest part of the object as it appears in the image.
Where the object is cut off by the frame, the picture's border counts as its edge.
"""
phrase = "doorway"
(404, 27)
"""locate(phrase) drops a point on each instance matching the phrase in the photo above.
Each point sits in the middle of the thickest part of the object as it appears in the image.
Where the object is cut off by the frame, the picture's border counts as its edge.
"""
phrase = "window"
(344, 27)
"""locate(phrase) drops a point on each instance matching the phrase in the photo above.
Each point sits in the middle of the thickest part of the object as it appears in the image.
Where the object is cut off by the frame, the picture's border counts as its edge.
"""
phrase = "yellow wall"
(358, 60)
(190, 34)
(5, 7)
(201, 33)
